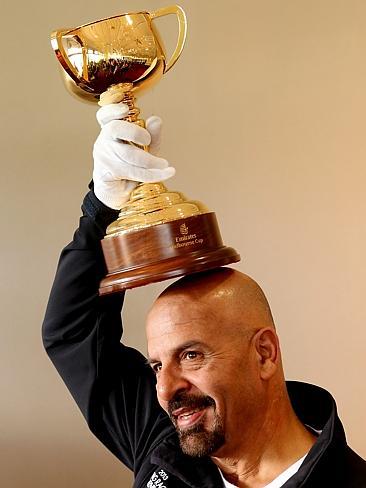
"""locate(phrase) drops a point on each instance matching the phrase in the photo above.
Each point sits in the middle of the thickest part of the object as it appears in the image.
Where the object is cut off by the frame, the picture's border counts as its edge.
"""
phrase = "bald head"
(213, 347)
(230, 297)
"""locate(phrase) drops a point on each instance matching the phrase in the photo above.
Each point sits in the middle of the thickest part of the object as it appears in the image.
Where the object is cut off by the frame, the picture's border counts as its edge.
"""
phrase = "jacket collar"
(313, 405)
(316, 408)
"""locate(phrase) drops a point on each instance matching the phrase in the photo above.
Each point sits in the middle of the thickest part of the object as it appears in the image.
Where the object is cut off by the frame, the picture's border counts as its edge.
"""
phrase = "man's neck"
(277, 444)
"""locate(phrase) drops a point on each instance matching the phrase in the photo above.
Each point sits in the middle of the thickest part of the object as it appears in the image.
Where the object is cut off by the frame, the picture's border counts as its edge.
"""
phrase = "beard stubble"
(198, 440)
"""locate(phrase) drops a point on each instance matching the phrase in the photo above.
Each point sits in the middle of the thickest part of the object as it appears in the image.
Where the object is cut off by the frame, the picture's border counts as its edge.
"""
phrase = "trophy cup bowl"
(159, 234)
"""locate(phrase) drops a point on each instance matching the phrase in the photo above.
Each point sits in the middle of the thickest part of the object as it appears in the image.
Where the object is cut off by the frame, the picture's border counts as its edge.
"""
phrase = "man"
(211, 409)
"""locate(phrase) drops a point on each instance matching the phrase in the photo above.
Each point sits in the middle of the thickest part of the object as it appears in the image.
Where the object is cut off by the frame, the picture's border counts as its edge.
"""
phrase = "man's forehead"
(171, 328)
(168, 313)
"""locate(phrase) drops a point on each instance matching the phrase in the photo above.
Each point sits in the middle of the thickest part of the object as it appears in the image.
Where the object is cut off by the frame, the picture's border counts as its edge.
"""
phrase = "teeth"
(187, 415)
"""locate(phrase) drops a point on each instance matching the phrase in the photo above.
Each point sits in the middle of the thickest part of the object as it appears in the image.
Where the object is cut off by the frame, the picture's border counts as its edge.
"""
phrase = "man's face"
(206, 375)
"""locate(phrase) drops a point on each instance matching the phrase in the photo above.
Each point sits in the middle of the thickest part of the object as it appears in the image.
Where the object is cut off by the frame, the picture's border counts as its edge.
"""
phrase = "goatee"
(198, 440)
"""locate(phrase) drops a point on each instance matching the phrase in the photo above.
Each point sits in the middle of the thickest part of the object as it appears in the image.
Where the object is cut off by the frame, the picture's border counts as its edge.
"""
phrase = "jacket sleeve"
(111, 383)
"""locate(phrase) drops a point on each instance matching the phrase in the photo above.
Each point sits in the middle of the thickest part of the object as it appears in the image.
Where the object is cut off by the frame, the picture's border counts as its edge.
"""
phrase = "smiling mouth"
(188, 418)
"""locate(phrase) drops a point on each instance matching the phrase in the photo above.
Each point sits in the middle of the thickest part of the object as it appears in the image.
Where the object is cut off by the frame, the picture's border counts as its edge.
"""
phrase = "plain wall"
(264, 119)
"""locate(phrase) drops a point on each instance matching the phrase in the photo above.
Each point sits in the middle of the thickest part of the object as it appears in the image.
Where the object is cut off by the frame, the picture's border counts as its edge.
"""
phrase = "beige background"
(265, 122)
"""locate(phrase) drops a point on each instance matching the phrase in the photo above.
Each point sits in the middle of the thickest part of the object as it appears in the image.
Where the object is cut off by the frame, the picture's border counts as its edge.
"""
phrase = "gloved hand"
(118, 166)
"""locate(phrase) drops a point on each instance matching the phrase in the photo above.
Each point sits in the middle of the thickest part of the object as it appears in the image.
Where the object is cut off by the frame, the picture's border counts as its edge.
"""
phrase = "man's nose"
(169, 382)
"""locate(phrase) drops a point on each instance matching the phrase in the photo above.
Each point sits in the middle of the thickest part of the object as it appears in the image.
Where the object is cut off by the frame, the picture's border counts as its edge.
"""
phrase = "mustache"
(184, 400)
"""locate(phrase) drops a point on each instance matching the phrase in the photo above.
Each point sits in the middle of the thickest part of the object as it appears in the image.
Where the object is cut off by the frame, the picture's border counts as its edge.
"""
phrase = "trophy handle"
(56, 41)
(182, 23)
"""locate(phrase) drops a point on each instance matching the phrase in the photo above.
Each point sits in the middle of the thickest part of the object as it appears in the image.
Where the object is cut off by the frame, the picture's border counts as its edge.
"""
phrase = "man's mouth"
(184, 417)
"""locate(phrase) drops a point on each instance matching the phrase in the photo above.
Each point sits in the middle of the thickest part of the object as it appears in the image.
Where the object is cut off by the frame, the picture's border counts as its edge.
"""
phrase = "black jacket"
(115, 388)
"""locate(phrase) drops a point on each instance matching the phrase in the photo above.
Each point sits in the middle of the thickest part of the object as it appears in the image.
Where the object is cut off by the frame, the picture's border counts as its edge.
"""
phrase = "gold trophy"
(159, 234)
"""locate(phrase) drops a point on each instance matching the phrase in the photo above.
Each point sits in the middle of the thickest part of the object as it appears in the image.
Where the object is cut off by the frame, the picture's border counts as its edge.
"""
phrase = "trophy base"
(164, 251)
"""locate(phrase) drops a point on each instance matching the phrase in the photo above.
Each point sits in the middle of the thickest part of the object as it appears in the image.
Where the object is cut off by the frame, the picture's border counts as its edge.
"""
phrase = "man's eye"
(156, 367)
(190, 355)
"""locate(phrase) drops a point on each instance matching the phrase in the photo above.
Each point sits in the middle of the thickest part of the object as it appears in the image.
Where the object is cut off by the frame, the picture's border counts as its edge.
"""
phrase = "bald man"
(213, 347)
(210, 408)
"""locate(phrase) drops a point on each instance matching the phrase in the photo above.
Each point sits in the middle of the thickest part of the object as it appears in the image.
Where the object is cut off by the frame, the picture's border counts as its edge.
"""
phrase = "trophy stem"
(122, 92)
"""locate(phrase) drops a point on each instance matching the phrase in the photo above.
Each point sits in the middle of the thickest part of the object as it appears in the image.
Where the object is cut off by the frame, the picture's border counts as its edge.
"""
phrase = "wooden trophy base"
(164, 251)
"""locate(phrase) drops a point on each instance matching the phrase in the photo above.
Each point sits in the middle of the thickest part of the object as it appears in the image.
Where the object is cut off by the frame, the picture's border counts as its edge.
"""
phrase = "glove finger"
(151, 175)
(118, 157)
(140, 158)
(154, 126)
(112, 111)
(111, 169)
(120, 130)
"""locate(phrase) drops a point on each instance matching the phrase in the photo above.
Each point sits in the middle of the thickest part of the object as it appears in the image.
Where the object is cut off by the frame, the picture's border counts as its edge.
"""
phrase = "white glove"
(118, 167)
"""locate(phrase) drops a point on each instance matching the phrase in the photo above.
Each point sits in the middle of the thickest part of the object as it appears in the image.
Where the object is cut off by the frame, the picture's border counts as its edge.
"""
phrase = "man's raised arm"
(111, 383)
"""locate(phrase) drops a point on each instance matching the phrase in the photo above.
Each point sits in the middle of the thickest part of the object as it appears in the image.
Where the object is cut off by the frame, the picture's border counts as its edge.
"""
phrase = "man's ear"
(267, 351)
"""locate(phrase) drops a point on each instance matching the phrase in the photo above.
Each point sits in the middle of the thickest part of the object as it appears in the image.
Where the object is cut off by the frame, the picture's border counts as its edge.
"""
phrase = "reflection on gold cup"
(122, 49)
(158, 234)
